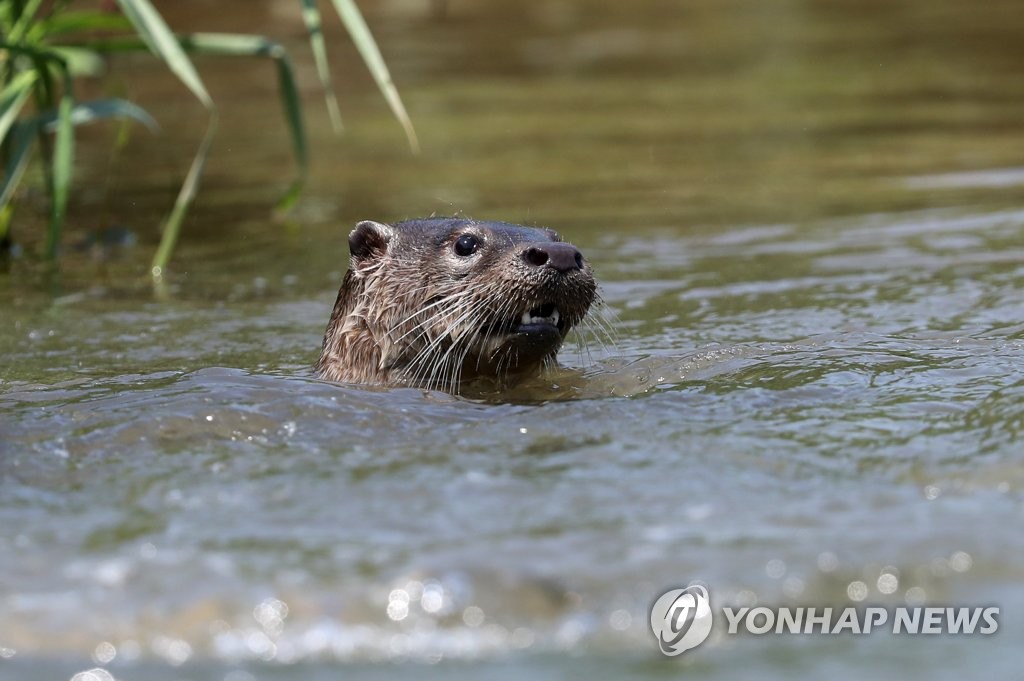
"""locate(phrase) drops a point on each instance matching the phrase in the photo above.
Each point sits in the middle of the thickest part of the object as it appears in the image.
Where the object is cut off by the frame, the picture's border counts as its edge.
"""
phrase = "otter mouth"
(541, 320)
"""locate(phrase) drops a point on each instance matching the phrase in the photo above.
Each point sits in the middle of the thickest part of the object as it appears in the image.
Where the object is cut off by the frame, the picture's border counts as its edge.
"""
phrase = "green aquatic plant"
(45, 46)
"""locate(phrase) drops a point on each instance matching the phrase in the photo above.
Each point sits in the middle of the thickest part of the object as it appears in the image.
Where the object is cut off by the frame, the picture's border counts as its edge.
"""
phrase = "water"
(808, 229)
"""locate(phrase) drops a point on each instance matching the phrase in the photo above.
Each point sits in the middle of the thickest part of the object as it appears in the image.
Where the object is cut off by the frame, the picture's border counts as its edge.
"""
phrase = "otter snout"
(557, 255)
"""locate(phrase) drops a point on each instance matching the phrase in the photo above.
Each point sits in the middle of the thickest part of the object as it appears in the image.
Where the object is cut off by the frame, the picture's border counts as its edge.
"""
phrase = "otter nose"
(560, 256)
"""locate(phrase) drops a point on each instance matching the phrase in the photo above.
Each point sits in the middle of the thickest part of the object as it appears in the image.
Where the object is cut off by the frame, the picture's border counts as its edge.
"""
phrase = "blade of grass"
(239, 45)
(63, 159)
(6, 213)
(83, 20)
(81, 62)
(25, 20)
(152, 28)
(17, 160)
(22, 133)
(228, 44)
(311, 17)
(364, 42)
(46, 98)
(99, 109)
(293, 114)
(243, 45)
(41, 56)
(187, 193)
(58, 169)
(13, 98)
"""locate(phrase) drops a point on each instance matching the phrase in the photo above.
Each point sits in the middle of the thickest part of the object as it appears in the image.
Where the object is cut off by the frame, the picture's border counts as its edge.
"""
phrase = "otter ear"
(369, 241)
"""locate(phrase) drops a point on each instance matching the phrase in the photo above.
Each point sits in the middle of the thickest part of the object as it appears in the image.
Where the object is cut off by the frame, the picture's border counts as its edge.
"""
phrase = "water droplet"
(915, 596)
(175, 651)
(415, 589)
(888, 583)
(828, 561)
(270, 614)
(433, 598)
(857, 591)
(793, 586)
(473, 616)
(104, 653)
(522, 637)
(398, 610)
(745, 598)
(961, 561)
(620, 620)
(97, 674)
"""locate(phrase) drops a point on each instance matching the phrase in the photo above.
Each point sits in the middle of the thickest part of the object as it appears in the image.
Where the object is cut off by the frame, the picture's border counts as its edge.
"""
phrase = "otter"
(441, 302)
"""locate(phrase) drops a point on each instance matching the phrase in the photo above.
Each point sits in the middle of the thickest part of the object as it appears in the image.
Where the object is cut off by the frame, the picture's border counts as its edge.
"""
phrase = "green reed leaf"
(18, 152)
(152, 28)
(241, 45)
(63, 160)
(314, 27)
(81, 61)
(13, 98)
(99, 109)
(61, 23)
(186, 195)
(367, 46)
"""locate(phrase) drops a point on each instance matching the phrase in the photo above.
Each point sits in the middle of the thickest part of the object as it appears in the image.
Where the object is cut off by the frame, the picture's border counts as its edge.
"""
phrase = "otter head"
(441, 301)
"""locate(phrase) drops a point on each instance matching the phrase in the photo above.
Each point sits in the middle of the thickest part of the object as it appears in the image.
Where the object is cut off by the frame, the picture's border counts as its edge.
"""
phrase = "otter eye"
(466, 245)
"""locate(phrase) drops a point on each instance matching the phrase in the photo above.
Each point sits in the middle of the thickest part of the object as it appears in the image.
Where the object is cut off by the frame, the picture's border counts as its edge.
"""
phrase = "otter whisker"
(451, 298)
(426, 325)
(439, 364)
(503, 311)
(605, 326)
(458, 364)
(455, 340)
(421, 329)
(598, 328)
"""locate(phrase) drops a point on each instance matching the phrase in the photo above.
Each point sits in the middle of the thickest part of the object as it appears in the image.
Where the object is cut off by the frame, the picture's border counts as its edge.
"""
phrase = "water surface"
(808, 224)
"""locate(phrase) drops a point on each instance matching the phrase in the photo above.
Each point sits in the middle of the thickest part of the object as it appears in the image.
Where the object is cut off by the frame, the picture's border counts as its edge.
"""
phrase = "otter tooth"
(552, 319)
